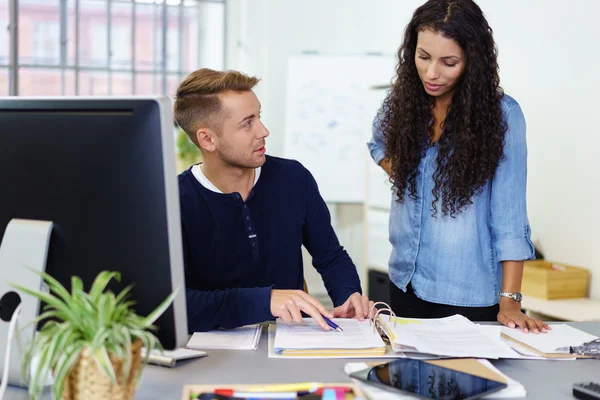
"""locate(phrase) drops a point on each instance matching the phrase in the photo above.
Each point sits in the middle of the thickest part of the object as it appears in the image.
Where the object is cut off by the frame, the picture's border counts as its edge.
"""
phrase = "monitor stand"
(23, 254)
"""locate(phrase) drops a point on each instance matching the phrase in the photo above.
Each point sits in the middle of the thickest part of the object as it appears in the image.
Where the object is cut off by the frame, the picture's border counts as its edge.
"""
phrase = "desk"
(578, 309)
(542, 379)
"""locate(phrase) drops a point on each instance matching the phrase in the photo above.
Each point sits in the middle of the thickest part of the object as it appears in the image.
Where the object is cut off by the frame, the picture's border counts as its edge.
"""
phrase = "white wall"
(550, 62)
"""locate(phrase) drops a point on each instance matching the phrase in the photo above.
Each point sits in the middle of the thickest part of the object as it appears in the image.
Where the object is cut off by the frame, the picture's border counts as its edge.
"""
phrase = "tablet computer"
(426, 380)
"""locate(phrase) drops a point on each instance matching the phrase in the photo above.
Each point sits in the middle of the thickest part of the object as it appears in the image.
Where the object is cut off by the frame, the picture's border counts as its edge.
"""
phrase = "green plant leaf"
(100, 283)
(153, 316)
(121, 296)
(103, 362)
(99, 320)
(61, 308)
(76, 284)
(64, 365)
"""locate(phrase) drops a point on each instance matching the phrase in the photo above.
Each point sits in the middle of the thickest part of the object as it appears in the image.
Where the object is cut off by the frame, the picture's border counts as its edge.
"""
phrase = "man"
(245, 216)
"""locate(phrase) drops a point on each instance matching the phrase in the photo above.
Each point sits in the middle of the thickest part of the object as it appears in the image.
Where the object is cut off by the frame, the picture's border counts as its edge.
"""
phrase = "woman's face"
(440, 62)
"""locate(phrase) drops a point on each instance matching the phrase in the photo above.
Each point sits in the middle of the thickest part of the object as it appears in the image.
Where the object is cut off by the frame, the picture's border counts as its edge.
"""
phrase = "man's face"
(241, 141)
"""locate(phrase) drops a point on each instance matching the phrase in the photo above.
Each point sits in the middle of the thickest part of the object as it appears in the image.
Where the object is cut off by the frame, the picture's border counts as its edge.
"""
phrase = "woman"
(454, 146)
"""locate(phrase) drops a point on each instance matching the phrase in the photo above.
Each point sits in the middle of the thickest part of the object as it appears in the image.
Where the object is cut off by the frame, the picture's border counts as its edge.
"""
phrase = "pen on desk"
(332, 324)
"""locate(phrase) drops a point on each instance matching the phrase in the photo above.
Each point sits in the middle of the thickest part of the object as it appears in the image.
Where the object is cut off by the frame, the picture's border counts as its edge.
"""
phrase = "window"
(80, 64)
(99, 46)
(46, 42)
(4, 44)
(3, 81)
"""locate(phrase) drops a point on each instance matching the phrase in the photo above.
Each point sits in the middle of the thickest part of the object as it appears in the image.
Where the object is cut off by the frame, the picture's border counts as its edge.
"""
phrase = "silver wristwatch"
(516, 296)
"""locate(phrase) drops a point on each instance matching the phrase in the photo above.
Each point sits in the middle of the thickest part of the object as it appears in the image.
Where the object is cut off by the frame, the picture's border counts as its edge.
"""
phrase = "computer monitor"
(103, 171)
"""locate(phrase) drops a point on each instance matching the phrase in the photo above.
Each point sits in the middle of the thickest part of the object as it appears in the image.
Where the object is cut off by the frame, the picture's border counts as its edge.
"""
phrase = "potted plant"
(90, 342)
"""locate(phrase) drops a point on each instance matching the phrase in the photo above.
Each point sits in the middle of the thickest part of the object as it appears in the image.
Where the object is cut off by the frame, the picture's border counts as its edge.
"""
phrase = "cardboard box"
(549, 280)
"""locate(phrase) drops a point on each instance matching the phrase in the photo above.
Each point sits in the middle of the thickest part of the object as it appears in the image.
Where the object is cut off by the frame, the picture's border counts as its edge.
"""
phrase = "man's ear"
(205, 138)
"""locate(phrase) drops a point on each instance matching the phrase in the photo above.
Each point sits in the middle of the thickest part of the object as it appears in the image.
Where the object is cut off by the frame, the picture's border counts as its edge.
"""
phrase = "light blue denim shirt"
(458, 261)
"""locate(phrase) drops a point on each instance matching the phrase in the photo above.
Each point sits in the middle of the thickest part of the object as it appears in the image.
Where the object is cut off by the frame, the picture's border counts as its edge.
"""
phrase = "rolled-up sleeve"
(508, 206)
(376, 144)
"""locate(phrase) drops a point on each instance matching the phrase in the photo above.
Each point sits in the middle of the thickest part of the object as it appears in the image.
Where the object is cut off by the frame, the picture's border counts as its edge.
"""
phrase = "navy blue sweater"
(235, 252)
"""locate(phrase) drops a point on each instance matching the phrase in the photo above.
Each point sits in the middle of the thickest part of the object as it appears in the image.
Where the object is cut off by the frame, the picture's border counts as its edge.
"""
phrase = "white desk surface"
(542, 379)
(579, 309)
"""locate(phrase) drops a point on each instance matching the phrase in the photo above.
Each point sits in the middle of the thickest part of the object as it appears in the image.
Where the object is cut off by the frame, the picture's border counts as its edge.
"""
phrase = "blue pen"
(332, 324)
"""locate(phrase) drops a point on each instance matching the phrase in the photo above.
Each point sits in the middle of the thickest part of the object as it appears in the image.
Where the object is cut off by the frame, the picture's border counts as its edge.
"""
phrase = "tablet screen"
(428, 381)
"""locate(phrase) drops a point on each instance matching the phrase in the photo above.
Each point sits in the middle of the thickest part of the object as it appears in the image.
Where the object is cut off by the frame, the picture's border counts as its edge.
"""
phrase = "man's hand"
(356, 306)
(289, 305)
(510, 315)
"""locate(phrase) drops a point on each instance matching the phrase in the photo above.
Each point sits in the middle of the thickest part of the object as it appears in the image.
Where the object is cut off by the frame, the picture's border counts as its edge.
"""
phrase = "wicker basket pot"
(87, 382)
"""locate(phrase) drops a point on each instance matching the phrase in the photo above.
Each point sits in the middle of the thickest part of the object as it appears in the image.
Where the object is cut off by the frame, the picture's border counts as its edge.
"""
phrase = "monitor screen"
(103, 171)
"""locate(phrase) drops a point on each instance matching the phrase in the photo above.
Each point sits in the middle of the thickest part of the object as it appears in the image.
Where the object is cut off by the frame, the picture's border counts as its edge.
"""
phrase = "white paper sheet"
(308, 335)
(453, 336)
(243, 338)
(561, 335)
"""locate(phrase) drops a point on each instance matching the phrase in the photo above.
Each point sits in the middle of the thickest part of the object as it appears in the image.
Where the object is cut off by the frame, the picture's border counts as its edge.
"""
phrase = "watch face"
(518, 297)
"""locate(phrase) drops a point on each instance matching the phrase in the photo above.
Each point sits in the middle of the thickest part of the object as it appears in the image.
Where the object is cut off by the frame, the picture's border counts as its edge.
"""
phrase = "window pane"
(69, 76)
(4, 36)
(144, 37)
(211, 46)
(71, 34)
(146, 84)
(39, 82)
(121, 36)
(3, 81)
(93, 83)
(172, 84)
(121, 83)
(157, 16)
(173, 46)
(39, 32)
(190, 38)
(93, 41)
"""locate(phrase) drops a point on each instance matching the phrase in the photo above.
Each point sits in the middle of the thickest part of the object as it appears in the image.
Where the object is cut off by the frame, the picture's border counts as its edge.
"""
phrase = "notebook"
(307, 339)
(242, 338)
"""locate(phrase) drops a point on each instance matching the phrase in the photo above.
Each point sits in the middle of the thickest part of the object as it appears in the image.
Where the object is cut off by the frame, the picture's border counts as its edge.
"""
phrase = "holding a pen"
(332, 324)
(290, 304)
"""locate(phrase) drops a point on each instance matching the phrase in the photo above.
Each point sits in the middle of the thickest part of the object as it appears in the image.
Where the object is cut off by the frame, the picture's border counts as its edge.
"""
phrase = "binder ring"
(387, 307)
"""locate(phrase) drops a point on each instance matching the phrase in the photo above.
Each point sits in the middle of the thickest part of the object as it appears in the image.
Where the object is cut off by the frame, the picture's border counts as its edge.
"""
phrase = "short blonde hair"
(197, 102)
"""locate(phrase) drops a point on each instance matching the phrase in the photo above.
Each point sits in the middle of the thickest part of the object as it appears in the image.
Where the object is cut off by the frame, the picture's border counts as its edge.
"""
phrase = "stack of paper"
(243, 338)
(553, 344)
(453, 336)
(307, 339)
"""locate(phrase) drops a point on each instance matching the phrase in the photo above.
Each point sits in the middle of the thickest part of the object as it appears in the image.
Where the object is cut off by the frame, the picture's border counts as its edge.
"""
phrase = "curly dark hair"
(472, 143)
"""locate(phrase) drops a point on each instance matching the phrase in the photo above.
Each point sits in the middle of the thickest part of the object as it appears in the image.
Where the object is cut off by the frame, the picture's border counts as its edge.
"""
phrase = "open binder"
(386, 335)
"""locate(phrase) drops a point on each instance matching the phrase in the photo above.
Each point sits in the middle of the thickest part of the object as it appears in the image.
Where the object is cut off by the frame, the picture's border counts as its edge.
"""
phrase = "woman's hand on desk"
(510, 315)
(357, 306)
(289, 305)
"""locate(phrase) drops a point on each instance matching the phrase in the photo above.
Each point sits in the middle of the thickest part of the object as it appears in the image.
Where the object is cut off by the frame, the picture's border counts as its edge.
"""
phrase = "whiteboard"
(330, 106)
